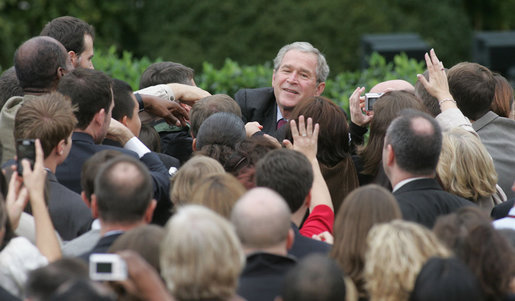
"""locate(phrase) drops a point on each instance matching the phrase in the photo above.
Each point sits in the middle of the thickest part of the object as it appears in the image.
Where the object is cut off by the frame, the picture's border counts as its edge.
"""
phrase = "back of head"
(37, 62)
(315, 278)
(48, 118)
(144, 240)
(150, 137)
(69, 31)
(503, 98)
(322, 70)
(221, 129)
(91, 167)
(473, 88)
(362, 209)
(189, 271)
(429, 101)
(465, 167)
(396, 252)
(218, 192)
(333, 140)
(43, 282)
(416, 140)
(393, 84)
(262, 220)
(446, 279)
(123, 189)
(166, 73)
(288, 173)
(210, 105)
(82, 290)
(89, 90)
(9, 86)
(123, 102)
(386, 109)
(192, 172)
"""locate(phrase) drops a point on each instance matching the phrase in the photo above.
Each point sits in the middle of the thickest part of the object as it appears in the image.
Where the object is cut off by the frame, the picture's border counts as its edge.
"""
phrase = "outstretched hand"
(171, 111)
(356, 105)
(305, 137)
(437, 85)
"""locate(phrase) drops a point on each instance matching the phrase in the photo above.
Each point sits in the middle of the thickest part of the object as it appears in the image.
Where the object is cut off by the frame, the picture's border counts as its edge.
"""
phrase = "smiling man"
(300, 71)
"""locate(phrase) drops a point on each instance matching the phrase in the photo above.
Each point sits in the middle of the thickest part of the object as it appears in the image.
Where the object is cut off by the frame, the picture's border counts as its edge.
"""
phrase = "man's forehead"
(293, 56)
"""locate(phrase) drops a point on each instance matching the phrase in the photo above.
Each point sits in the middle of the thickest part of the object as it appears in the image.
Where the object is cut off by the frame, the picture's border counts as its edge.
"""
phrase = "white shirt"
(507, 222)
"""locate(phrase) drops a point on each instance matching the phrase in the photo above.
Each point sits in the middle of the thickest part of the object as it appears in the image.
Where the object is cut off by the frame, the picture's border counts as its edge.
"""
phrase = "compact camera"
(107, 267)
(370, 99)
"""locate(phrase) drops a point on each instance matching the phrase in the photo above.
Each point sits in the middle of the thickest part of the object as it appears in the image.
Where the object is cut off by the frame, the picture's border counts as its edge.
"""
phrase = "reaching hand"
(305, 137)
(171, 111)
(437, 85)
(188, 94)
(356, 105)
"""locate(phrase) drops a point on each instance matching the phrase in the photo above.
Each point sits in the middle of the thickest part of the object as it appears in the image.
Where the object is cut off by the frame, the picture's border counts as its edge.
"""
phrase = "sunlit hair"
(201, 256)
(363, 208)
(465, 167)
(396, 253)
(218, 192)
(194, 170)
(503, 98)
(322, 67)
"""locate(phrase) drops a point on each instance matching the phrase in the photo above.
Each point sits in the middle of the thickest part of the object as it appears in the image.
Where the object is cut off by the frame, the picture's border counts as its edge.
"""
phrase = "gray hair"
(322, 67)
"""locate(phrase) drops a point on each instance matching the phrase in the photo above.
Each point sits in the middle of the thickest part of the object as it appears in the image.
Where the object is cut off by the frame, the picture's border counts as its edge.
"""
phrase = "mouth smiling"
(290, 91)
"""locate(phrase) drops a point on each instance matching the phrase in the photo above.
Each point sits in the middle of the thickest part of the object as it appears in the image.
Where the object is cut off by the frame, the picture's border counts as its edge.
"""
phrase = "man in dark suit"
(122, 200)
(50, 119)
(473, 88)
(261, 219)
(91, 91)
(411, 150)
(300, 71)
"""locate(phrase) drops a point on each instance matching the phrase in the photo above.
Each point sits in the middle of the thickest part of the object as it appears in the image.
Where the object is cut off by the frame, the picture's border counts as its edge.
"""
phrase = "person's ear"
(307, 200)
(124, 120)
(194, 144)
(320, 89)
(99, 117)
(73, 57)
(390, 155)
(290, 239)
(59, 149)
(85, 199)
(150, 211)
(94, 206)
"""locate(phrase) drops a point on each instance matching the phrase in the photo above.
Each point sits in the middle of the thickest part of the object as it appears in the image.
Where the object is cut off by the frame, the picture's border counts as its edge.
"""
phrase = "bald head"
(395, 85)
(262, 219)
(40, 62)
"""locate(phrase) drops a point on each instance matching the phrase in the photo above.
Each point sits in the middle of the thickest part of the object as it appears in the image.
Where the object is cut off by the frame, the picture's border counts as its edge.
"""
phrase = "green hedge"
(231, 76)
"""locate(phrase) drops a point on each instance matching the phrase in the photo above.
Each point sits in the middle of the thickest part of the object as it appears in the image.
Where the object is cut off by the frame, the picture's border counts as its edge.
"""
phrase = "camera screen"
(371, 102)
(104, 267)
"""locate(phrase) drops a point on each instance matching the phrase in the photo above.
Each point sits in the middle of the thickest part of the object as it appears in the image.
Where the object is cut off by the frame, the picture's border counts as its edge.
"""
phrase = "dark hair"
(69, 31)
(36, 62)
(363, 208)
(91, 167)
(316, 277)
(123, 102)
(166, 73)
(221, 128)
(503, 98)
(287, 172)
(82, 290)
(43, 282)
(209, 105)
(150, 137)
(333, 144)
(473, 88)
(386, 109)
(416, 150)
(49, 118)
(446, 279)
(88, 89)
(123, 189)
(9, 86)
(428, 100)
(470, 234)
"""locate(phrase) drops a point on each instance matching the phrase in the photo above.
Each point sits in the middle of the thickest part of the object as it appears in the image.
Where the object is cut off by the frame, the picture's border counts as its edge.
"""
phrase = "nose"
(293, 77)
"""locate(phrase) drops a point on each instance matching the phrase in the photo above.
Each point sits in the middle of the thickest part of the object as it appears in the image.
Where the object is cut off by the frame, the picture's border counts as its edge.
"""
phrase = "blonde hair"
(201, 256)
(465, 167)
(218, 192)
(194, 170)
(396, 253)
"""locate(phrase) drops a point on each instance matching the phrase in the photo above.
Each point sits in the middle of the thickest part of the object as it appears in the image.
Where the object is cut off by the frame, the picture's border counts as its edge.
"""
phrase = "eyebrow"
(301, 69)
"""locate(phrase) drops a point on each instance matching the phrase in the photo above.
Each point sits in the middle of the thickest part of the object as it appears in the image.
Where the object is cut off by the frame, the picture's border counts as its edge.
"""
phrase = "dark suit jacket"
(501, 210)
(259, 105)
(262, 277)
(304, 246)
(423, 200)
(70, 215)
(102, 245)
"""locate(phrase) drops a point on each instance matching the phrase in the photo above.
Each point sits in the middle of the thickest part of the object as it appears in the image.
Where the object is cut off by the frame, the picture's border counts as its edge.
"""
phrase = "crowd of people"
(275, 194)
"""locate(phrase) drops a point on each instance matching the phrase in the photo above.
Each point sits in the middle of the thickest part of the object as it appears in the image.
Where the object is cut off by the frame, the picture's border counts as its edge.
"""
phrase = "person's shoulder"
(248, 94)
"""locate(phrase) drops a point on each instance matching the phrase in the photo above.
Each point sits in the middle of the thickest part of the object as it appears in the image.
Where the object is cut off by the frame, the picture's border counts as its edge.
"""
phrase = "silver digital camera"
(370, 99)
(107, 267)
